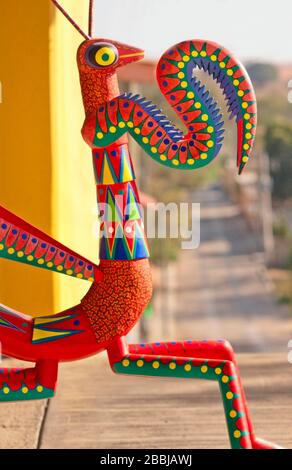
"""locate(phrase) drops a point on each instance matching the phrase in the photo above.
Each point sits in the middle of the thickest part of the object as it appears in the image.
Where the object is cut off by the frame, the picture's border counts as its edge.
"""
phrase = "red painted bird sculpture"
(121, 285)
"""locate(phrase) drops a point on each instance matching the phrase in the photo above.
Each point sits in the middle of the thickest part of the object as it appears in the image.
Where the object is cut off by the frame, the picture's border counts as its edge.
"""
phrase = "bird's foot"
(258, 443)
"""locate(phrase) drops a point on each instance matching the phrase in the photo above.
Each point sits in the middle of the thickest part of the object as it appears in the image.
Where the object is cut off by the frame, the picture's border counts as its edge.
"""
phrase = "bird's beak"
(130, 54)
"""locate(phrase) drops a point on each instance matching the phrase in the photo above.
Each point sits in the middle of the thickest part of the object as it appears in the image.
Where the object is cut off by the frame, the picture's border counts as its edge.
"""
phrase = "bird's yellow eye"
(102, 55)
(105, 56)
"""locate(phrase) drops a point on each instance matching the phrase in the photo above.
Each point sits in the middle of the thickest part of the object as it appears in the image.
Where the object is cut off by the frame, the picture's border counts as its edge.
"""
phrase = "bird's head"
(104, 56)
(97, 61)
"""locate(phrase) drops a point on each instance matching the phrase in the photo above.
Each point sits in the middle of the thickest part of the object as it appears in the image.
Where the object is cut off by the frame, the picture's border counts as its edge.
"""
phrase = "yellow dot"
(180, 65)
(186, 58)
(30, 258)
(6, 390)
(230, 72)
(60, 268)
(69, 272)
(198, 105)
(130, 124)
(80, 276)
(245, 105)
(222, 65)
(195, 54)
(137, 130)
(91, 279)
(145, 140)
(190, 94)
(233, 414)
(50, 264)
(122, 125)
(163, 158)
(237, 434)
(99, 135)
(41, 261)
(210, 129)
(229, 395)
(113, 129)
(1, 246)
(184, 84)
(191, 161)
(248, 126)
(11, 251)
(245, 159)
(218, 370)
(40, 389)
(203, 53)
(225, 379)
(248, 135)
(181, 75)
(235, 82)
(246, 147)
(153, 149)
(188, 367)
(247, 116)
(175, 162)
(140, 363)
(155, 365)
(240, 93)
(24, 389)
(20, 254)
(172, 365)
(213, 58)
(204, 156)
(204, 369)
(205, 117)
(210, 144)
(126, 362)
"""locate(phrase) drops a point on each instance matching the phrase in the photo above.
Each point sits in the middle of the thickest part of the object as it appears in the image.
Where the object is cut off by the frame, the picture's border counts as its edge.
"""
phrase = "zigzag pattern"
(123, 241)
(113, 166)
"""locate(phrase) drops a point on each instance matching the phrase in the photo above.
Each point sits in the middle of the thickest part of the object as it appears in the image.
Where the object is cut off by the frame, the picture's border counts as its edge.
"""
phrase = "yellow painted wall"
(46, 171)
(25, 142)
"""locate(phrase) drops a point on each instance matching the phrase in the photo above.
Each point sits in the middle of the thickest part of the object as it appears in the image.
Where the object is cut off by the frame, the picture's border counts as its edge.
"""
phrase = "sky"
(251, 29)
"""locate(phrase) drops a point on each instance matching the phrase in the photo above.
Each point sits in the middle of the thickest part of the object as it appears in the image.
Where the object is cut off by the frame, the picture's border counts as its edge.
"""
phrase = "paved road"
(222, 291)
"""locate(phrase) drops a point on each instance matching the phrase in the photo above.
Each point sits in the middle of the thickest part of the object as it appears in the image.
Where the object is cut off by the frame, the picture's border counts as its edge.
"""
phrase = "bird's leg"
(221, 350)
(212, 349)
(34, 383)
(126, 360)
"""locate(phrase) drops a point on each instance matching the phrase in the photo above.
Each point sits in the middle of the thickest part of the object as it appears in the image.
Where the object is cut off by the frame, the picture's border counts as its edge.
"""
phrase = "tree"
(261, 74)
(278, 144)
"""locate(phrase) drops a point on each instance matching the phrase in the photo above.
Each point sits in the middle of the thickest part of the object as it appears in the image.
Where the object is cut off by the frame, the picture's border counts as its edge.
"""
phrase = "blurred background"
(46, 173)
(238, 284)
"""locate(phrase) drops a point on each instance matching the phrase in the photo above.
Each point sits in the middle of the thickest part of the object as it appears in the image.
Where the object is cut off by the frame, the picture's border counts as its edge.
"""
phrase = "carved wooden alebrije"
(121, 284)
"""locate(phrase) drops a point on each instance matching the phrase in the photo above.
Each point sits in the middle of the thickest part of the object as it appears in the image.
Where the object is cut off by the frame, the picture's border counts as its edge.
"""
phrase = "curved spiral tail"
(182, 89)
(192, 103)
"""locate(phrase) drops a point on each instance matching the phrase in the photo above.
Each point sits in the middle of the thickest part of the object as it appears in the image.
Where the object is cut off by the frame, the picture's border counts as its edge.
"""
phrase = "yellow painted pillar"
(46, 171)
(73, 193)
